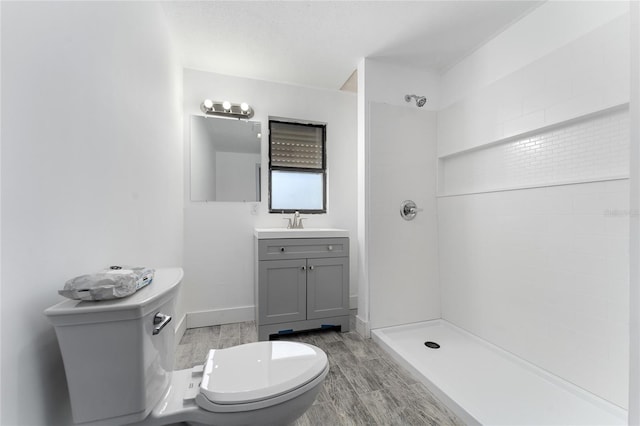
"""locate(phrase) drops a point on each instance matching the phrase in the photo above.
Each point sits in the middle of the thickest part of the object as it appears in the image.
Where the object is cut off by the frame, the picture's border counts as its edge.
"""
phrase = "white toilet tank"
(117, 369)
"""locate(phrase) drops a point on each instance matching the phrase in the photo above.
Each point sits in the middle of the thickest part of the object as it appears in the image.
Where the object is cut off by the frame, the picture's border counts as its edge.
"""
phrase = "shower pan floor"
(484, 384)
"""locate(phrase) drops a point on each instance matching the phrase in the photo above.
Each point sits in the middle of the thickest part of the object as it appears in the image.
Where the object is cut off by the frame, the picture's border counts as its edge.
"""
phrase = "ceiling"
(319, 43)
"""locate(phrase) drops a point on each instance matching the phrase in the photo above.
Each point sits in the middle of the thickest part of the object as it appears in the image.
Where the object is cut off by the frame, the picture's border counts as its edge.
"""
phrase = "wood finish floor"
(364, 385)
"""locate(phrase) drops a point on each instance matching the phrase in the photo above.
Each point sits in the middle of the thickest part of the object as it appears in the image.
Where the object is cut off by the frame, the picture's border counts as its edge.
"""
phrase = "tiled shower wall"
(530, 259)
(592, 148)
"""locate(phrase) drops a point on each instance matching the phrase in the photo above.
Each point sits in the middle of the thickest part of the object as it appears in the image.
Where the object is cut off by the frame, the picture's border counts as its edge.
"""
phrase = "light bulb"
(226, 105)
(208, 103)
(244, 107)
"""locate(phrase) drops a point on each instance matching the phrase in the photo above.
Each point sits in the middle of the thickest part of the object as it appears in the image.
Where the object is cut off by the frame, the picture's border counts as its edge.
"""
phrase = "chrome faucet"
(295, 222)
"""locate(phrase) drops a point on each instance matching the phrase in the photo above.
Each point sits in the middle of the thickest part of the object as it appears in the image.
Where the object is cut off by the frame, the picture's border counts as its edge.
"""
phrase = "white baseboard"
(362, 327)
(220, 316)
(181, 328)
(353, 301)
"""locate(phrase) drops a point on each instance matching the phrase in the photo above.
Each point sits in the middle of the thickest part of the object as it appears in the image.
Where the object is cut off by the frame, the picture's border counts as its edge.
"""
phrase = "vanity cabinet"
(301, 284)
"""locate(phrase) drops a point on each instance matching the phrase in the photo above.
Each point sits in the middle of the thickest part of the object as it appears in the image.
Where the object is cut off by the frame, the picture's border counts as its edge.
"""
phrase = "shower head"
(420, 100)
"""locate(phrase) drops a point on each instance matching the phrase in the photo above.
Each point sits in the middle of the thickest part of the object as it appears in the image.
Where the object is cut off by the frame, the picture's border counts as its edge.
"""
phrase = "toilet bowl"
(118, 357)
(264, 383)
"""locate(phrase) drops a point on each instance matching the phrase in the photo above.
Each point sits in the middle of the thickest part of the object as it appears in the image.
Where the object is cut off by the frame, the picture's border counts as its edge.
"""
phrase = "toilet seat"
(257, 375)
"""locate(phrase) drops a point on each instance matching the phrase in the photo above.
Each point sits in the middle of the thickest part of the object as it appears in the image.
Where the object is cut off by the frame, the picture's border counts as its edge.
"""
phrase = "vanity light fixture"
(226, 109)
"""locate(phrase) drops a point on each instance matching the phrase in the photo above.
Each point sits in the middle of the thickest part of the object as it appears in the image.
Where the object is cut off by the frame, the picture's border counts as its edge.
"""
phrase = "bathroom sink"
(270, 233)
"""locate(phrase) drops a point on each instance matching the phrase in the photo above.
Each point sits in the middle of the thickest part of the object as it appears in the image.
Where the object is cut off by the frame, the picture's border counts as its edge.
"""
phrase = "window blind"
(297, 146)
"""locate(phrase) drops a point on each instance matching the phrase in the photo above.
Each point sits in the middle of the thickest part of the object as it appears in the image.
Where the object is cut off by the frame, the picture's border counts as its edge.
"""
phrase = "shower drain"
(432, 345)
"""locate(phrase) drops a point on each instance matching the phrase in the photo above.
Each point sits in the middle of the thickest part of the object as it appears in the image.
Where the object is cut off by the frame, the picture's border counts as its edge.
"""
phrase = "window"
(297, 167)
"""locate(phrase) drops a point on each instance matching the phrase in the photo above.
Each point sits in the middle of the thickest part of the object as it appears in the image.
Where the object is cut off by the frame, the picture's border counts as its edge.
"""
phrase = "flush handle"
(160, 320)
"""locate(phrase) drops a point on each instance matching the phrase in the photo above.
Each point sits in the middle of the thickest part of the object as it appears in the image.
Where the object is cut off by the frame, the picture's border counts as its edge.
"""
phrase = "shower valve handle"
(409, 210)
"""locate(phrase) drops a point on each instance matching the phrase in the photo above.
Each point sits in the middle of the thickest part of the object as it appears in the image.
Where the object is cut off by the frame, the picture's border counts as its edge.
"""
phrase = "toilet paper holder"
(409, 210)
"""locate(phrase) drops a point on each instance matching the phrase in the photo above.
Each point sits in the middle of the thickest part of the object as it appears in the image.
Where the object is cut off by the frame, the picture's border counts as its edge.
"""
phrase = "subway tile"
(578, 151)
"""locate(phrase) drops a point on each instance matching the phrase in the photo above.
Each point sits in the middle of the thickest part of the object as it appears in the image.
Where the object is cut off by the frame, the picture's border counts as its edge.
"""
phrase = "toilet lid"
(257, 371)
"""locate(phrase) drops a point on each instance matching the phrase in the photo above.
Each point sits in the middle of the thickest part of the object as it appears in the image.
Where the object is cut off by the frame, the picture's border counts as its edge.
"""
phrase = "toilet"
(119, 355)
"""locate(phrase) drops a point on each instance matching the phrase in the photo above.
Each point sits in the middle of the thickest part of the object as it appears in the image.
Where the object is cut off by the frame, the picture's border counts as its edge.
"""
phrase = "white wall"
(91, 172)
(218, 257)
(634, 113)
(542, 272)
(403, 255)
(397, 162)
(364, 201)
(388, 83)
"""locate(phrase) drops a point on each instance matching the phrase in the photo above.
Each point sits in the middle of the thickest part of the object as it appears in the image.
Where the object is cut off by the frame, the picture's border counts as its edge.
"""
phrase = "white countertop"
(271, 233)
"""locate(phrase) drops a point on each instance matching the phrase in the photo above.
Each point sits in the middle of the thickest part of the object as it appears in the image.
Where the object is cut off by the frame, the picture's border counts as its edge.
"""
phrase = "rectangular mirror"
(225, 159)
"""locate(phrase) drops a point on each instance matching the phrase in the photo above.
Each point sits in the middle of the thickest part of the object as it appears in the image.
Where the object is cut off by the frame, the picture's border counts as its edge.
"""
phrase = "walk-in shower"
(520, 260)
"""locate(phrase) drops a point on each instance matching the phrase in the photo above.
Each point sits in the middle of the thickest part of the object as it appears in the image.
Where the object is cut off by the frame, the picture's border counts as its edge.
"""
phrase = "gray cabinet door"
(283, 291)
(327, 287)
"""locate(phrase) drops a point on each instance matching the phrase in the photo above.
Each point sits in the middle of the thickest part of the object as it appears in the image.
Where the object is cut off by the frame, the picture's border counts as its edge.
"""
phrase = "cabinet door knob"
(330, 248)
(311, 267)
(304, 268)
(282, 249)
